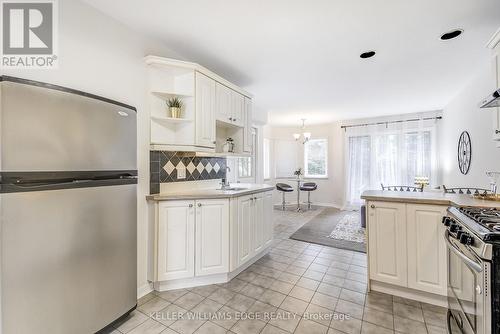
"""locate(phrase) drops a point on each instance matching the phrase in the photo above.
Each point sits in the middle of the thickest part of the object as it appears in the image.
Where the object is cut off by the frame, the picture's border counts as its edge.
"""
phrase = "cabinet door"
(496, 111)
(175, 248)
(247, 130)
(426, 248)
(245, 219)
(268, 218)
(212, 237)
(223, 96)
(205, 111)
(387, 242)
(238, 107)
(258, 223)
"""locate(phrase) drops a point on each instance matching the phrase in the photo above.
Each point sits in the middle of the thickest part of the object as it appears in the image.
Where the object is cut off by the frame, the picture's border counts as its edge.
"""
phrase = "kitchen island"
(406, 250)
(207, 235)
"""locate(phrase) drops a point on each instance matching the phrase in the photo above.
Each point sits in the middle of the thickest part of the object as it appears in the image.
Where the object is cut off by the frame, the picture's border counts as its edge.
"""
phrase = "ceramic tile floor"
(306, 288)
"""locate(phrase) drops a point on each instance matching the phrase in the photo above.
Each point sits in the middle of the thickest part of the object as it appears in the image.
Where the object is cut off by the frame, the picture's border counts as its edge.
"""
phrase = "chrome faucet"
(493, 181)
(225, 183)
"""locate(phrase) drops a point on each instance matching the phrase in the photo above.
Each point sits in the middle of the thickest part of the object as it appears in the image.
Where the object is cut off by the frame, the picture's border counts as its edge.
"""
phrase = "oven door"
(468, 312)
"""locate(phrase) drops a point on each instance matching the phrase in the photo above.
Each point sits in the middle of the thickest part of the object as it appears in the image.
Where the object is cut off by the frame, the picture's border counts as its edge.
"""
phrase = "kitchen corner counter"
(431, 197)
(211, 193)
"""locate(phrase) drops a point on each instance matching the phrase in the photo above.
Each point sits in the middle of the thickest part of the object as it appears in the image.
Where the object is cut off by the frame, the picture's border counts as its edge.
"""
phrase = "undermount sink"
(232, 188)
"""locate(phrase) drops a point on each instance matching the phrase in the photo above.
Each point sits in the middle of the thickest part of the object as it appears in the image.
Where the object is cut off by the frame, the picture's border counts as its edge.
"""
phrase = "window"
(266, 152)
(390, 158)
(245, 167)
(316, 158)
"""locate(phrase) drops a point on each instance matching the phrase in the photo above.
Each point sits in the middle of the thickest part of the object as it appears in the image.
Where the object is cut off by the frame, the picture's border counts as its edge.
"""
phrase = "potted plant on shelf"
(174, 106)
(298, 173)
(228, 146)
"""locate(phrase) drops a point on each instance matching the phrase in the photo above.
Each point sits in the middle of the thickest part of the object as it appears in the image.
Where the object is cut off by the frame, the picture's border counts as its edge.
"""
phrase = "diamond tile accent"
(208, 167)
(216, 167)
(169, 167)
(200, 167)
(180, 165)
(190, 167)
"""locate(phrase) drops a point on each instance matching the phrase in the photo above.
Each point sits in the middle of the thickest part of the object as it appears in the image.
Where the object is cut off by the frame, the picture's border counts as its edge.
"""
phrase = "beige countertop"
(431, 197)
(211, 193)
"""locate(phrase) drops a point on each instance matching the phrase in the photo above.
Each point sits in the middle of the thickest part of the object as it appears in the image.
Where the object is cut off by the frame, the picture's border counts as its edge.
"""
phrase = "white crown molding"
(494, 40)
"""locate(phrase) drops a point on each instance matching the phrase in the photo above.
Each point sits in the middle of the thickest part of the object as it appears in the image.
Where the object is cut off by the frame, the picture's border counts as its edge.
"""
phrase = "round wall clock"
(464, 152)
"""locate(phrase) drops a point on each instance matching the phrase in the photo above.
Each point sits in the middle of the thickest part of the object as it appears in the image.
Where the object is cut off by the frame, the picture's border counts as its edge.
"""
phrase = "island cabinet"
(406, 249)
(207, 241)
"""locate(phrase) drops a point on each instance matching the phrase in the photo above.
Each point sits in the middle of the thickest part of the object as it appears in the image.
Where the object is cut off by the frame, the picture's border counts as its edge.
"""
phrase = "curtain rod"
(391, 122)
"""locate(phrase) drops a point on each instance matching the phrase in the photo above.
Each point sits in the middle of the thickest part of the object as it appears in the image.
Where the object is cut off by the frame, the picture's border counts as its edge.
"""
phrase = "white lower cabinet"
(175, 240)
(212, 237)
(387, 242)
(193, 237)
(406, 246)
(268, 218)
(426, 248)
(254, 226)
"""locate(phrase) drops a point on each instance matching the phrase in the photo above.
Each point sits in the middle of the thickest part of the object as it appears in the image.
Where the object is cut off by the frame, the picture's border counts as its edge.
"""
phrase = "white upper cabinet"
(224, 99)
(426, 248)
(205, 111)
(238, 107)
(175, 244)
(207, 100)
(212, 237)
(387, 243)
(247, 130)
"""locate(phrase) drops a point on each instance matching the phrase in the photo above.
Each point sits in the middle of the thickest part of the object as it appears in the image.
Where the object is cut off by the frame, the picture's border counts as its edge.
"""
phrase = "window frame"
(306, 175)
(266, 155)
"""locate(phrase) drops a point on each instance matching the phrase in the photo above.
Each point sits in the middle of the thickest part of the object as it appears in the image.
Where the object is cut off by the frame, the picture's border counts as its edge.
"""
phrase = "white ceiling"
(300, 58)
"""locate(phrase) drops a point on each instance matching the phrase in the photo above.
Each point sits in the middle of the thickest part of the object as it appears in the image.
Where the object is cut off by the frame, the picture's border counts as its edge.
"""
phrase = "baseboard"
(191, 282)
(303, 205)
(144, 290)
(408, 293)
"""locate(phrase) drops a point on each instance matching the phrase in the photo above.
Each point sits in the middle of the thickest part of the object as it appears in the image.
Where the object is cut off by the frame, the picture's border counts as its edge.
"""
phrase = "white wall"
(101, 56)
(330, 190)
(462, 113)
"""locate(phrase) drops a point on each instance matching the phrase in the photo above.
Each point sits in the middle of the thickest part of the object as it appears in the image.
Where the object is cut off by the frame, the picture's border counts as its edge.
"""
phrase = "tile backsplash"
(165, 166)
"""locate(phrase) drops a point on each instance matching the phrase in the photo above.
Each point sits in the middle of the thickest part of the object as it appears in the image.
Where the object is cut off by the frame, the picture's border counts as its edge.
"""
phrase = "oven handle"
(461, 255)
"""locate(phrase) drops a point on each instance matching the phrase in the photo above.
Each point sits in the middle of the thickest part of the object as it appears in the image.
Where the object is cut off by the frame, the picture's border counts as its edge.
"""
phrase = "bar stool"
(308, 186)
(284, 188)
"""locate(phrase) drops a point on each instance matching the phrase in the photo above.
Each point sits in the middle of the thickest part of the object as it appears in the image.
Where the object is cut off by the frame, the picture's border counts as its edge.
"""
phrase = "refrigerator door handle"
(41, 184)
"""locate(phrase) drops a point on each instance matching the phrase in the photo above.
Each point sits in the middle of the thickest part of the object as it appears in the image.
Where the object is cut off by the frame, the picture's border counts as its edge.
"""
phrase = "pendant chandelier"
(305, 135)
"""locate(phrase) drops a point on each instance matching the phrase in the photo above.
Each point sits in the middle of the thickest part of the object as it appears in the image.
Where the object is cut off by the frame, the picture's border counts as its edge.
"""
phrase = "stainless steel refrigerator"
(68, 209)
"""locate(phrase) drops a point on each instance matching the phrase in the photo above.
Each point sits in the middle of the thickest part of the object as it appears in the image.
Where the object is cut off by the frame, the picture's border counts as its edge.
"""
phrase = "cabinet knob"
(497, 132)
(230, 118)
(190, 205)
(214, 142)
(372, 206)
(234, 119)
(199, 204)
(255, 198)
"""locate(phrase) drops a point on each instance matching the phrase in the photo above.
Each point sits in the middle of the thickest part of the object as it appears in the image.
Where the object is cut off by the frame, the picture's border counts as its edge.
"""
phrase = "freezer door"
(69, 263)
(46, 129)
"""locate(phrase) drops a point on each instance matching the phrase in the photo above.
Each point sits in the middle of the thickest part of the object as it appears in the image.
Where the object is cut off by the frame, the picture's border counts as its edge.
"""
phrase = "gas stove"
(482, 222)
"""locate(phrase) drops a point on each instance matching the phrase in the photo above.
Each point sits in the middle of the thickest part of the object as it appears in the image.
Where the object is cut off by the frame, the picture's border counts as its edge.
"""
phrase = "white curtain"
(392, 154)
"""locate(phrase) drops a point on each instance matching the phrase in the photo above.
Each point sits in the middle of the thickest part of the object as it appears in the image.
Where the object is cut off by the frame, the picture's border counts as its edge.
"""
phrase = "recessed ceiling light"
(451, 34)
(367, 54)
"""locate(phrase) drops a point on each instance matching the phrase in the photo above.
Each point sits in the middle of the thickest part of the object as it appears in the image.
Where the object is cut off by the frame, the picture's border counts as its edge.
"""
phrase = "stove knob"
(454, 227)
(459, 234)
(466, 239)
(446, 221)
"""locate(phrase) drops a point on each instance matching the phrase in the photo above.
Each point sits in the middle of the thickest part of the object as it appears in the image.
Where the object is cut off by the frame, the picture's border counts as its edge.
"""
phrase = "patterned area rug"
(349, 228)
(319, 228)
